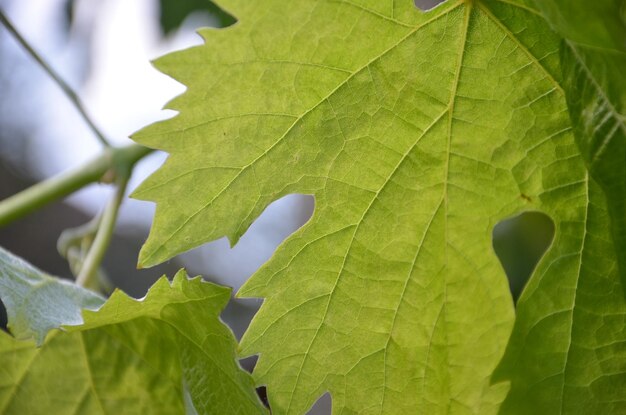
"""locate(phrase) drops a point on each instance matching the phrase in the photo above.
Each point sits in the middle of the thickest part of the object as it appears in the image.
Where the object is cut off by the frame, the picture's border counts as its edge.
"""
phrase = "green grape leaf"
(599, 25)
(594, 58)
(576, 323)
(155, 356)
(36, 302)
(416, 133)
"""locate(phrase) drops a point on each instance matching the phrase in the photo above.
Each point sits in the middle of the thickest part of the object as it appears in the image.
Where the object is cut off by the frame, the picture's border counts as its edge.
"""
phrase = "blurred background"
(103, 48)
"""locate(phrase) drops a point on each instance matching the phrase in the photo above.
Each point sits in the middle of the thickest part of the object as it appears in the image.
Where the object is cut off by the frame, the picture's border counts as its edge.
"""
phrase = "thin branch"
(59, 81)
(89, 268)
(105, 167)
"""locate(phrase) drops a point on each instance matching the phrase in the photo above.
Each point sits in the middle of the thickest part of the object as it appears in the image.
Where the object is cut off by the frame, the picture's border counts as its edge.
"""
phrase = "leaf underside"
(36, 302)
(133, 357)
(416, 133)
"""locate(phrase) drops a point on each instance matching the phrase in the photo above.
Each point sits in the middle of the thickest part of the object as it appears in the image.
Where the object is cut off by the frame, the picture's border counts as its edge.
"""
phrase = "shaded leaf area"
(36, 302)
(155, 356)
(567, 354)
(594, 60)
(598, 109)
(416, 133)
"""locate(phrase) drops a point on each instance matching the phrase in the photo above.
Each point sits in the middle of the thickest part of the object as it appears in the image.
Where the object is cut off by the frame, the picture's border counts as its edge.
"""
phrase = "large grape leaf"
(416, 133)
(36, 302)
(152, 356)
(583, 333)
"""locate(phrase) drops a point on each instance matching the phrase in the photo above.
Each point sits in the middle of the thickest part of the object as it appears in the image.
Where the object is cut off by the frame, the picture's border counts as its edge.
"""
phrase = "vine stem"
(69, 92)
(114, 162)
(104, 234)
(113, 165)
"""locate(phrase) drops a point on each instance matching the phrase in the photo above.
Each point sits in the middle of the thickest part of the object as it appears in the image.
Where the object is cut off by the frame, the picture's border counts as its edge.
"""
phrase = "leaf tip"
(146, 256)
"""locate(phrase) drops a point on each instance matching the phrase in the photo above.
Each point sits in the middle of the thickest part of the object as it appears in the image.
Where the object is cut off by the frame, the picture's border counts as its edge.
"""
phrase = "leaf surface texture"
(567, 354)
(416, 133)
(165, 354)
(36, 302)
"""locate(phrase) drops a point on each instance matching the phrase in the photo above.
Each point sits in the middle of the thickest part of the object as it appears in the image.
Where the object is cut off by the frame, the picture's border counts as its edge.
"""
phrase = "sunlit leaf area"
(313, 207)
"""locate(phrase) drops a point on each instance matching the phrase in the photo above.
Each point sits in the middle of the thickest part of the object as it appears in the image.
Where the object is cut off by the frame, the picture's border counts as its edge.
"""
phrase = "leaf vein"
(300, 118)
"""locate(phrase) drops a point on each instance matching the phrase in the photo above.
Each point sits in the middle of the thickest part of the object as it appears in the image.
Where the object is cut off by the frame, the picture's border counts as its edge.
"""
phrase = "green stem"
(55, 76)
(104, 235)
(111, 163)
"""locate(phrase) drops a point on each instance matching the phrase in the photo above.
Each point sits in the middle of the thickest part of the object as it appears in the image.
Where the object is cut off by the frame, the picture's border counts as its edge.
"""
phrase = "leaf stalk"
(89, 268)
(107, 167)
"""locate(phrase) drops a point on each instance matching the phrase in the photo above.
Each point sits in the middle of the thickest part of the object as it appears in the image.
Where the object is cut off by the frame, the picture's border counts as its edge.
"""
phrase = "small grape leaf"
(416, 133)
(156, 355)
(36, 302)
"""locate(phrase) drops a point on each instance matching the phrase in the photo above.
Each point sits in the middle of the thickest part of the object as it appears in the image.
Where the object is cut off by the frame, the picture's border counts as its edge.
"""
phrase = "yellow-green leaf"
(157, 355)
(416, 133)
